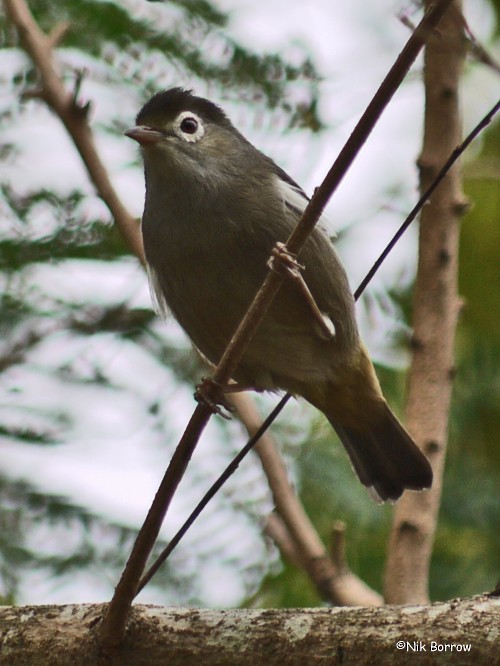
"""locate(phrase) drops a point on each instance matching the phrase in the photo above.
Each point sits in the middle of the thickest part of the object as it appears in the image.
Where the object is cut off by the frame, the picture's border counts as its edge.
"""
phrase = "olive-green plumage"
(215, 208)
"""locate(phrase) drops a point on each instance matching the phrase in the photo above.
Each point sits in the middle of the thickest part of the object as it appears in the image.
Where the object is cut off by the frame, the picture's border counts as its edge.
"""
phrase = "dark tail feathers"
(386, 459)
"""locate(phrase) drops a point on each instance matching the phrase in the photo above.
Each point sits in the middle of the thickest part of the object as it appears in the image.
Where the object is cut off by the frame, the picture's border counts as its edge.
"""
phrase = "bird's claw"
(210, 393)
(283, 261)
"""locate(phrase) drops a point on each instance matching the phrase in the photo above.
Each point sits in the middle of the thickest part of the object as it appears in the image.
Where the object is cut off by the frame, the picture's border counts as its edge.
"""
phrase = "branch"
(386, 636)
(332, 578)
(338, 546)
(426, 195)
(436, 306)
(72, 114)
(478, 51)
(276, 530)
(74, 118)
(211, 492)
(114, 622)
(113, 626)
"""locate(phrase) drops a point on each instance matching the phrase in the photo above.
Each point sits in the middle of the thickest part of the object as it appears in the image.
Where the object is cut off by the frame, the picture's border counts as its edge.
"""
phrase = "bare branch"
(426, 195)
(478, 51)
(113, 625)
(436, 307)
(337, 584)
(275, 529)
(338, 546)
(57, 34)
(464, 630)
(73, 116)
(211, 492)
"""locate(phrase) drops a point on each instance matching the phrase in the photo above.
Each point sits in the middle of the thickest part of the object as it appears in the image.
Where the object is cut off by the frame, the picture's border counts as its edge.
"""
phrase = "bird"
(216, 209)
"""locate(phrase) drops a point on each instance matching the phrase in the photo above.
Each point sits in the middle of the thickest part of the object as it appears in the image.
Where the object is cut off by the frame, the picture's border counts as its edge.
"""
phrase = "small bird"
(216, 209)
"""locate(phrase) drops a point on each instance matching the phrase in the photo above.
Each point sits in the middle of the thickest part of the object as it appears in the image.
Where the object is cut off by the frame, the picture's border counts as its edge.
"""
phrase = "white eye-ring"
(189, 126)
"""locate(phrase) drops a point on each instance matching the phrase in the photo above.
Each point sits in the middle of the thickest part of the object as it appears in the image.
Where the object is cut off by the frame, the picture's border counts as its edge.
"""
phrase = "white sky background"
(352, 44)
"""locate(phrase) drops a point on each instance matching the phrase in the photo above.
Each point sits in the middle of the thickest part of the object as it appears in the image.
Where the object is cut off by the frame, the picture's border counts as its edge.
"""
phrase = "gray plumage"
(215, 208)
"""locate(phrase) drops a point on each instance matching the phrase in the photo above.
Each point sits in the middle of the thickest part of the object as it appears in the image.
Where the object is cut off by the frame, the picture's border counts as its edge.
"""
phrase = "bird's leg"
(211, 393)
(286, 263)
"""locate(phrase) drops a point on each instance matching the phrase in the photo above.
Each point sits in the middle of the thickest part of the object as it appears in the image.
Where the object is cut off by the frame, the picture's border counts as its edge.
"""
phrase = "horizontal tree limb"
(462, 631)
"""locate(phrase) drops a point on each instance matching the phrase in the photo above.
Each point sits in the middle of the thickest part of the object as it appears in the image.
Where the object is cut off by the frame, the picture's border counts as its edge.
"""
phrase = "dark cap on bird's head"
(167, 104)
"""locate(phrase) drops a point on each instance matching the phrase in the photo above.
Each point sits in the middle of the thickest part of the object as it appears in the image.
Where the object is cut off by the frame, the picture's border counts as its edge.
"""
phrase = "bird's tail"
(385, 458)
(383, 454)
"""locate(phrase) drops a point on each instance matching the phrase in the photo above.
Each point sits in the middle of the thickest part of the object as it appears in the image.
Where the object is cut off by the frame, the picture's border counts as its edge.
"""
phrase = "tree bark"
(455, 632)
(436, 307)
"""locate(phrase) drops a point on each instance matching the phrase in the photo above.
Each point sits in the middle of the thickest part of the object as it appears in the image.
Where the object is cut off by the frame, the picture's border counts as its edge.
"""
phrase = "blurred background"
(95, 389)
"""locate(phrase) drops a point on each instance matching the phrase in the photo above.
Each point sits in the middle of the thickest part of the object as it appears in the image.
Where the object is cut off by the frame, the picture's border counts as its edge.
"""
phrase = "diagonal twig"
(426, 195)
(483, 123)
(113, 626)
(37, 45)
(230, 469)
(72, 114)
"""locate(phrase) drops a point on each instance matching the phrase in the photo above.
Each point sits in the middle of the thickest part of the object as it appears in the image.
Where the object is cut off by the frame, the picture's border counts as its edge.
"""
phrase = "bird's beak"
(144, 134)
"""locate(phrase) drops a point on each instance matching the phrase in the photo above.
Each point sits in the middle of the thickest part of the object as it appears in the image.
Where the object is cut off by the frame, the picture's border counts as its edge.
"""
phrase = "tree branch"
(74, 118)
(335, 583)
(458, 632)
(73, 115)
(211, 492)
(435, 311)
(113, 625)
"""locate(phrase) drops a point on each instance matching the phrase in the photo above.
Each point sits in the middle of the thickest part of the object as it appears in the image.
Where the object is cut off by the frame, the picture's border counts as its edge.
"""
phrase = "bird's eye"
(189, 125)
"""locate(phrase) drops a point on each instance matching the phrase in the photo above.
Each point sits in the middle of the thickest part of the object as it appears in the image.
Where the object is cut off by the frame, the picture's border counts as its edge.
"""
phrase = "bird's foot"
(212, 394)
(285, 262)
